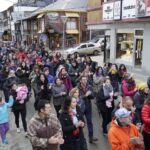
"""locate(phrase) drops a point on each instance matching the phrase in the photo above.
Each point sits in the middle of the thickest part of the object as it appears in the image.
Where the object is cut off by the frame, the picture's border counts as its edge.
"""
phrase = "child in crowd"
(4, 118)
(22, 92)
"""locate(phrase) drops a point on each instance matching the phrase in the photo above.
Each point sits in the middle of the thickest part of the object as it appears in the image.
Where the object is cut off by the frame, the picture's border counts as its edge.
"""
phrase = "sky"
(4, 4)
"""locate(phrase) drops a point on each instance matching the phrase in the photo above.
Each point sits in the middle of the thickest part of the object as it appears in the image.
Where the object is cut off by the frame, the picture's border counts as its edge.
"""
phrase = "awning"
(40, 15)
(72, 15)
(72, 31)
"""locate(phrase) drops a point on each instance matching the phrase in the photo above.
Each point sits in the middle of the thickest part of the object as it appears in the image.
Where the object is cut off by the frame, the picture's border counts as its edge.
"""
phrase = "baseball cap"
(122, 113)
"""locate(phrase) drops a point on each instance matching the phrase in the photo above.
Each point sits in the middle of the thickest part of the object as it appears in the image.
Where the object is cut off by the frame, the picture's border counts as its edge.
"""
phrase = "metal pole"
(63, 44)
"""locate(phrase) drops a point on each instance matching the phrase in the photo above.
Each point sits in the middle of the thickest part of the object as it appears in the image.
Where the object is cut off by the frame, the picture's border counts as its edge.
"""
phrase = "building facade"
(126, 26)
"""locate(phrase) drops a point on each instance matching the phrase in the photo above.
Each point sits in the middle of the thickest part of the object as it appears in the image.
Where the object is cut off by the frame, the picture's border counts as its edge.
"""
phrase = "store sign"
(108, 11)
(128, 9)
(117, 10)
(143, 8)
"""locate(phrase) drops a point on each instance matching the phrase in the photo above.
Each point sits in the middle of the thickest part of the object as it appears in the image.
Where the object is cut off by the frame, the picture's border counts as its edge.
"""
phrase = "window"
(83, 46)
(25, 25)
(125, 40)
(71, 24)
(91, 45)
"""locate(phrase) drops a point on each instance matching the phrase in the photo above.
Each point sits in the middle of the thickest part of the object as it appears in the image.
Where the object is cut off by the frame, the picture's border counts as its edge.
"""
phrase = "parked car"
(85, 49)
(99, 41)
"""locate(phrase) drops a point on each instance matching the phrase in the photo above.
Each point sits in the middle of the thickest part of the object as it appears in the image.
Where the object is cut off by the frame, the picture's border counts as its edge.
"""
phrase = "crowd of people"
(70, 85)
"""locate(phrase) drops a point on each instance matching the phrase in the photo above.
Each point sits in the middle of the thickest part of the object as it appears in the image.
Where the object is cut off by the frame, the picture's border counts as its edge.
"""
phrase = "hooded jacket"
(119, 137)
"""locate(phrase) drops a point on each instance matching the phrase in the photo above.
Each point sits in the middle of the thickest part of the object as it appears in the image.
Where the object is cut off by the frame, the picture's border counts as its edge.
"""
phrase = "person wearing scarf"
(72, 122)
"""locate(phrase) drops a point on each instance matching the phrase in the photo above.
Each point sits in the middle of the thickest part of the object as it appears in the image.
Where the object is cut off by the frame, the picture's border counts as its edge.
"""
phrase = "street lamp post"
(64, 20)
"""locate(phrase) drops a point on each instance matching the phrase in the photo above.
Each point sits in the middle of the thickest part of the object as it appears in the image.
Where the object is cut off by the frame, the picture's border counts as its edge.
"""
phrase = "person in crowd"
(18, 108)
(105, 103)
(148, 82)
(10, 79)
(80, 102)
(125, 102)
(42, 88)
(146, 123)
(72, 123)
(129, 86)
(59, 93)
(44, 130)
(106, 68)
(50, 80)
(139, 99)
(4, 83)
(4, 118)
(86, 93)
(98, 78)
(73, 72)
(63, 75)
(123, 135)
(33, 75)
(121, 72)
(113, 74)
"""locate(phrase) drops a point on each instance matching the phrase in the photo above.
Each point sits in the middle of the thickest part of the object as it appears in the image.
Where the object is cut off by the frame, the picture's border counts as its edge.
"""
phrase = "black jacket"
(68, 128)
(101, 100)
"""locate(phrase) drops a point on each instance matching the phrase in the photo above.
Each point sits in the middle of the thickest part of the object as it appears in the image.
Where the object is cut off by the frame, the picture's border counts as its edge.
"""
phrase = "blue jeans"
(88, 115)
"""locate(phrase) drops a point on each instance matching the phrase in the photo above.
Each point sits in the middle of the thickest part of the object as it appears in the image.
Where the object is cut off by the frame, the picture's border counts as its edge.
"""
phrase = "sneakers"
(92, 139)
(18, 130)
(5, 141)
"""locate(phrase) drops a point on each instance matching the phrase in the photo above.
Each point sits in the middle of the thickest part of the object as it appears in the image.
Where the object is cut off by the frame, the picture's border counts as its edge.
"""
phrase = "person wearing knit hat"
(139, 99)
(142, 86)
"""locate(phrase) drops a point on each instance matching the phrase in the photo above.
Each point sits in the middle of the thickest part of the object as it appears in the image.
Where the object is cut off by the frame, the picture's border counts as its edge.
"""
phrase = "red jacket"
(146, 118)
(126, 90)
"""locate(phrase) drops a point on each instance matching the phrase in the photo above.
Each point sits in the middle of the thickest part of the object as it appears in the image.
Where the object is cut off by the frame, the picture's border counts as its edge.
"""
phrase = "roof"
(66, 5)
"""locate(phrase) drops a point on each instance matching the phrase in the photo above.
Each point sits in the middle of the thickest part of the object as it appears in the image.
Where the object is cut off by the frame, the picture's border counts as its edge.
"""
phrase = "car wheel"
(76, 53)
(96, 52)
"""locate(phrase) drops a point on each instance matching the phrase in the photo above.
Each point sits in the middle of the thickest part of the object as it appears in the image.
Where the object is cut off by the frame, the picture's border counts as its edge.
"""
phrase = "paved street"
(17, 141)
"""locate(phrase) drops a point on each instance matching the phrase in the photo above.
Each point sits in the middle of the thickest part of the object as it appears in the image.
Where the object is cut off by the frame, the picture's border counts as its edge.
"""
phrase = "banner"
(143, 8)
(128, 9)
(108, 11)
(117, 10)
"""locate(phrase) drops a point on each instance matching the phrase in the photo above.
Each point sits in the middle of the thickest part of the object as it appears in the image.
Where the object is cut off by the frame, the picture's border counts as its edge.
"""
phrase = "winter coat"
(57, 98)
(68, 128)
(101, 101)
(97, 82)
(146, 118)
(16, 105)
(128, 90)
(82, 96)
(22, 92)
(23, 75)
(67, 82)
(72, 71)
(119, 137)
(42, 129)
(41, 93)
(138, 102)
(114, 81)
(4, 115)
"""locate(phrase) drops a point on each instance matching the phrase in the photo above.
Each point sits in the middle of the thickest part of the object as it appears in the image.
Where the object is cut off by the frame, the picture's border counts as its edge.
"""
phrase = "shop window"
(125, 40)
(71, 24)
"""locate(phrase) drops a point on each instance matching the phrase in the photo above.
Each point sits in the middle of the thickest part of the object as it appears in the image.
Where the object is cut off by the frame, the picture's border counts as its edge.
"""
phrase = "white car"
(99, 42)
(85, 49)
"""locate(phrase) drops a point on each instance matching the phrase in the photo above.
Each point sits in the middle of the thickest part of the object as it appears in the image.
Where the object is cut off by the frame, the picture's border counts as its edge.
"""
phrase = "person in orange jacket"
(123, 135)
